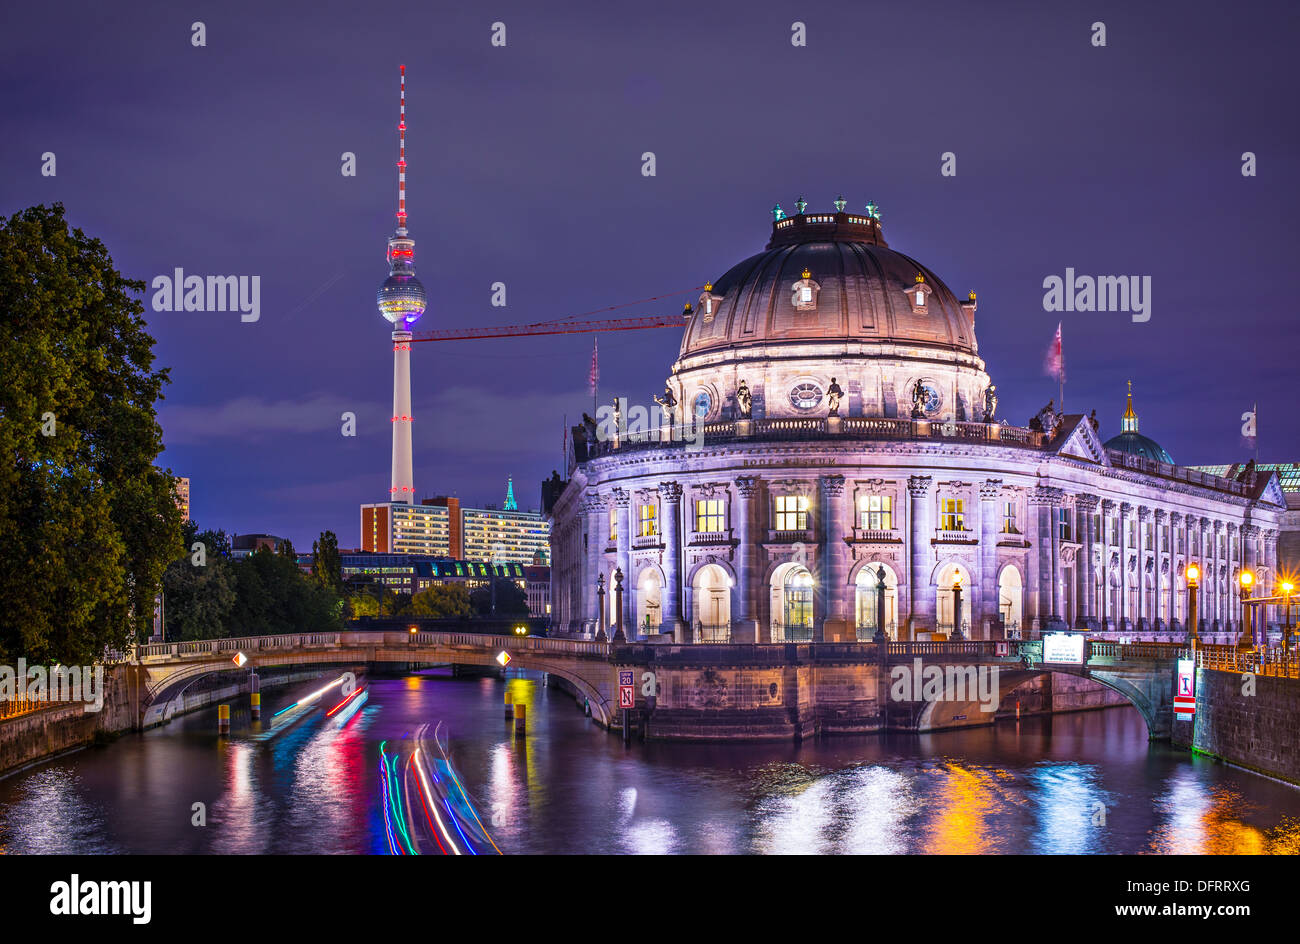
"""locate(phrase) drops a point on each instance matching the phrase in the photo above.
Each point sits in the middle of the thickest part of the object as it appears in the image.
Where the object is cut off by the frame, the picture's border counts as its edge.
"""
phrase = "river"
(1087, 782)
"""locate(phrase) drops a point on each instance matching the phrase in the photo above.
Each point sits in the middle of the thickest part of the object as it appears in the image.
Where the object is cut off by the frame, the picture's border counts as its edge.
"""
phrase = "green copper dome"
(1134, 443)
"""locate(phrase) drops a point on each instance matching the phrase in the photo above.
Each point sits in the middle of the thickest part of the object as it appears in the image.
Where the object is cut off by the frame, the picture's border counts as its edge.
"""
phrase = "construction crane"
(562, 326)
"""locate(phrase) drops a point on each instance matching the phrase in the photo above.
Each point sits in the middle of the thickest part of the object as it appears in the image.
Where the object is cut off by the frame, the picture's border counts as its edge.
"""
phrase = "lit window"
(920, 298)
(613, 522)
(708, 515)
(792, 513)
(954, 517)
(876, 512)
(805, 294)
(1009, 518)
(1063, 523)
(649, 521)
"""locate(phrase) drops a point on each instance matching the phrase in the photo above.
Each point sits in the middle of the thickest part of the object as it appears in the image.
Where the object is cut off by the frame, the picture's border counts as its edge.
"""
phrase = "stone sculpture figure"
(744, 401)
(990, 403)
(668, 402)
(833, 395)
(1096, 424)
(918, 400)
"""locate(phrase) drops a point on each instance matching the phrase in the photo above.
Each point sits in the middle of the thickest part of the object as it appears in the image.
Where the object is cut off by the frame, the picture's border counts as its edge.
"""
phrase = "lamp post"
(600, 608)
(1193, 575)
(956, 608)
(1287, 588)
(1246, 579)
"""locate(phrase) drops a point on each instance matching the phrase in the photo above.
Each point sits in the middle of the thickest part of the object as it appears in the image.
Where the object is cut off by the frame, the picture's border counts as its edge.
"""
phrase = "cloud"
(249, 419)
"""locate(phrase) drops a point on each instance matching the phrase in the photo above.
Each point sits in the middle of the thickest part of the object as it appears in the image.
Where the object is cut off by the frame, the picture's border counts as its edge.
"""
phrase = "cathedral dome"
(829, 309)
(829, 278)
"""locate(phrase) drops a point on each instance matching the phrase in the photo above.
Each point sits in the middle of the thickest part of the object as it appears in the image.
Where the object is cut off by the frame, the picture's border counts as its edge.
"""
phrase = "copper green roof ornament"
(777, 213)
(873, 211)
(840, 203)
(800, 205)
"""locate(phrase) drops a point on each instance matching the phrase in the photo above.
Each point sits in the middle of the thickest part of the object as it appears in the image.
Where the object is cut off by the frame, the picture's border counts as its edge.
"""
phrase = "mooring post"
(223, 719)
(510, 708)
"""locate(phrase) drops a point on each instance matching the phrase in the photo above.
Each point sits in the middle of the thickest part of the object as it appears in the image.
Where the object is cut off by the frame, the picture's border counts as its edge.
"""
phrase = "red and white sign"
(626, 696)
(1185, 693)
(1001, 649)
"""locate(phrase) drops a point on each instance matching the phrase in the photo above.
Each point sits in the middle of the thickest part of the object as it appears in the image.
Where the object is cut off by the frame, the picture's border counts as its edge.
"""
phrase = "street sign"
(503, 657)
(1001, 649)
(625, 677)
(1185, 693)
(626, 696)
(240, 659)
(1063, 647)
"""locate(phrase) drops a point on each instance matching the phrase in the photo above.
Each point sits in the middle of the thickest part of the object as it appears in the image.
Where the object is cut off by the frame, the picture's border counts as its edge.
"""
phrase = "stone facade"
(773, 516)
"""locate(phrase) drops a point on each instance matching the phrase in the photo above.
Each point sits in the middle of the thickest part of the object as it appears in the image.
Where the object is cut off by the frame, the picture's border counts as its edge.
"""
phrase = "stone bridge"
(765, 691)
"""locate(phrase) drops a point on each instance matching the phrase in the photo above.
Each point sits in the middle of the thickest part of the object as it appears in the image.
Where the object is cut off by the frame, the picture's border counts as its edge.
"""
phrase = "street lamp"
(1246, 579)
(956, 607)
(1288, 588)
(1193, 574)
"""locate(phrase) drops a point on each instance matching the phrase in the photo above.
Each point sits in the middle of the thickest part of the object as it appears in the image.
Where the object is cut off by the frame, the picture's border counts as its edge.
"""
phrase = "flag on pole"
(1055, 365)
(594, 377)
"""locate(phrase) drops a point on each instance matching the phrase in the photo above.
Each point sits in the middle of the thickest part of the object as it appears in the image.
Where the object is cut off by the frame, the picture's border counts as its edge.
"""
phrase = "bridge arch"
(1155, 711)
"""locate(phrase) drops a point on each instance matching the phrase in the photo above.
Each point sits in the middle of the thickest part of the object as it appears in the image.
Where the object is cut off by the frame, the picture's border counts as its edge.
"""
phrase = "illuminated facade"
(847, 441)
(400, 528)
(492, 534)
(183, 497)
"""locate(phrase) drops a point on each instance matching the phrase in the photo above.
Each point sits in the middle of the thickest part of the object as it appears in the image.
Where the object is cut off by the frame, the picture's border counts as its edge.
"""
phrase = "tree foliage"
(511, 600)
(327, 563)
(88, 523)
(440, 601)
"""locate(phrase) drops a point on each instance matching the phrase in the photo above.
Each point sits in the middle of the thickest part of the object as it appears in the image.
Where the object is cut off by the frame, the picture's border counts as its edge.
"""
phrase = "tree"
(273, 596)
(88, 523)
(511, 602)
(441, 601)
(327, 563)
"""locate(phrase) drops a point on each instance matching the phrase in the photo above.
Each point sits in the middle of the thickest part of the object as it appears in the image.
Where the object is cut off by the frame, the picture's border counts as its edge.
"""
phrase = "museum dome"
(1130, 441)
(829, 278)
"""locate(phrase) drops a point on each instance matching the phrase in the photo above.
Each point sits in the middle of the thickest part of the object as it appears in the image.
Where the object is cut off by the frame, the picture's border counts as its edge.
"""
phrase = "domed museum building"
(835, 467)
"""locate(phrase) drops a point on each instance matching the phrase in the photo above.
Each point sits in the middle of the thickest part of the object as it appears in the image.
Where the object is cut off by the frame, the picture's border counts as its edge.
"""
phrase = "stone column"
(1046, 500)
(670, 502)
(1107, 614)
(1124, 617)
(597, 518)
(1086, 506)
(1216, 604)
(836, 626)
(622, 505)
(921, 607)
(985, 605)
(1234, 587)
(745, 627)
(1158, 622)
(1175, 567)
(1143, 617)
(1268, 554)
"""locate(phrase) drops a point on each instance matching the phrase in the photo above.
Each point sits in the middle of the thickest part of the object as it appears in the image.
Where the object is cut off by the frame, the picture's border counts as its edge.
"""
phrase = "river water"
(1087, 782)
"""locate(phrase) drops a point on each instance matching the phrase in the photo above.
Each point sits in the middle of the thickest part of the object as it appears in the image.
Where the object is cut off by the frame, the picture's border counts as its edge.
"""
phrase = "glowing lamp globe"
(401, 299)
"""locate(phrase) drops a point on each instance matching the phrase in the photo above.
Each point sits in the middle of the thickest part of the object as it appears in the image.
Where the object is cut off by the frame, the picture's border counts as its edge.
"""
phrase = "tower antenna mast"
(401, 300)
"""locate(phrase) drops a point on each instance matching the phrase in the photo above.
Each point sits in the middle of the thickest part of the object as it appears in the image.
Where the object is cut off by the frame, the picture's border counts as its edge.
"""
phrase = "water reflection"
(1083, 783)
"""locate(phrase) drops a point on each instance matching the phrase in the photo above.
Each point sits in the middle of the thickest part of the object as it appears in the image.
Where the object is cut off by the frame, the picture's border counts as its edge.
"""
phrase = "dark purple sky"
(525, 168)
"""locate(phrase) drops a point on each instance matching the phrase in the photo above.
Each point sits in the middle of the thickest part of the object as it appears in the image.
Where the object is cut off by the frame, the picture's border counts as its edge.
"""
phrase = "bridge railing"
(1274, 662)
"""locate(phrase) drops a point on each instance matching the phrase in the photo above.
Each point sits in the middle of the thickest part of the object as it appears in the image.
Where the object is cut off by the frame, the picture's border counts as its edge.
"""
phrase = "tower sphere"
(401, 299)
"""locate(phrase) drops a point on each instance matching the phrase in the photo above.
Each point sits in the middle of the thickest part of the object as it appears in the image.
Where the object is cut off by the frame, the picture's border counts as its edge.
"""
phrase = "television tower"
(401, 301)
